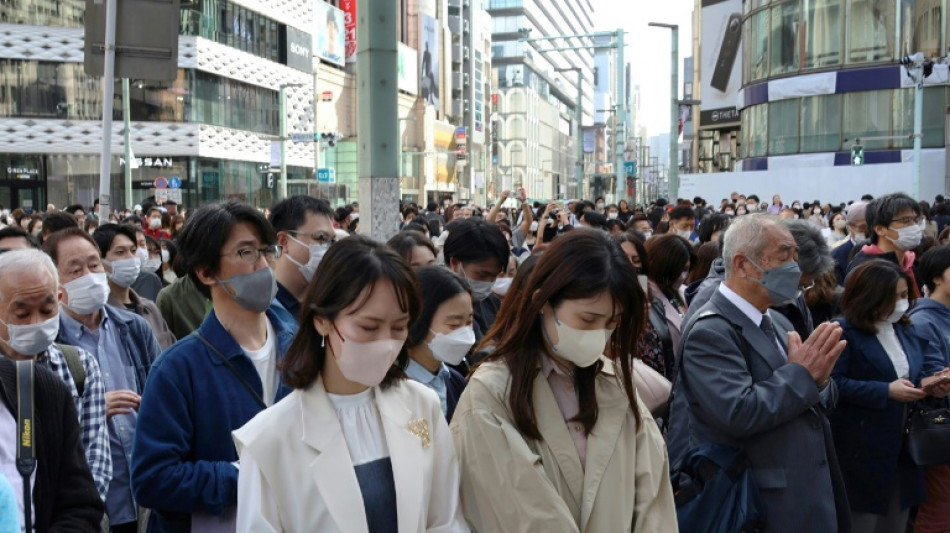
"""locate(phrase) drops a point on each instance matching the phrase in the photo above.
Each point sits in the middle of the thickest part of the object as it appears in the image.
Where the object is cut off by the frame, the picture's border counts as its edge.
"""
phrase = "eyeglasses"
(251, 255)
(907, 220)
(319, 238)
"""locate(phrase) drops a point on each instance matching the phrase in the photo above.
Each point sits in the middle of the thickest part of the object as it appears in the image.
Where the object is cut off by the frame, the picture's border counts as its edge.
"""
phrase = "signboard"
(429, 60)
(161, 182)
(174, 182)
(326, 175)
(296, 49)
(330, 33)
(461, 134)
(307, 137)
(174, 195)
(630, 167)
(408, 79)
(720, 64)
(146, 39)
(349, 27)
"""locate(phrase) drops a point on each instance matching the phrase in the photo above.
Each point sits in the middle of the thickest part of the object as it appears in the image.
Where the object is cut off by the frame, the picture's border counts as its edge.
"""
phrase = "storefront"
(21, 182)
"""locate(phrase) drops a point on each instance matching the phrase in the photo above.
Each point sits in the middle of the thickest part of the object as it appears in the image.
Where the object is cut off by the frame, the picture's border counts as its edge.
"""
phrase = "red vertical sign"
(349, 22)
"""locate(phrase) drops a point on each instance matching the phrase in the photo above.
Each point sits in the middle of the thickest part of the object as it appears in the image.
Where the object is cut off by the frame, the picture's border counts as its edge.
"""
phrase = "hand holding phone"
(937, 385)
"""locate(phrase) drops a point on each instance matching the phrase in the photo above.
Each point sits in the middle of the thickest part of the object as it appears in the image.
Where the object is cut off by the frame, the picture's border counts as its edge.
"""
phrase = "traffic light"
(328, 138)
(461, 154)
(857, 155)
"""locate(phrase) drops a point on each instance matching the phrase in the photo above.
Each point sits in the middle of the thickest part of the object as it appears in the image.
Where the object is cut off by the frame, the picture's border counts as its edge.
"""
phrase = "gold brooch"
(420, 428)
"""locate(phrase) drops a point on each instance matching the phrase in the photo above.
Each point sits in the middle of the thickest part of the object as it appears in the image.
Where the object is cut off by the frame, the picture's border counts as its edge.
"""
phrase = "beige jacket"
(512, 484)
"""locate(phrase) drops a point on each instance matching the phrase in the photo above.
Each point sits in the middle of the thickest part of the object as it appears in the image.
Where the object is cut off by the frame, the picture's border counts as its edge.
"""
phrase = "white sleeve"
(445, 509)
(256, 509)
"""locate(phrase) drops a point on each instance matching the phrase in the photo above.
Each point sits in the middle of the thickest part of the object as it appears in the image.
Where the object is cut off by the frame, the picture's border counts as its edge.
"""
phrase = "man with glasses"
(304, 227)
(123, 345)
(216, 379)
(894, 231)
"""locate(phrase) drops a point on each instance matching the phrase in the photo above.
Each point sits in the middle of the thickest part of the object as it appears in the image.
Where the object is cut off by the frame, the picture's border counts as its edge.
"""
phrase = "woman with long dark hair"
(330, 456)
(549, 432)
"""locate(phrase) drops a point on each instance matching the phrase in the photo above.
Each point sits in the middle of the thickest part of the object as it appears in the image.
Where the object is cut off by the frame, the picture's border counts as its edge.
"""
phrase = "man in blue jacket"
(123, 345)
(215, 380)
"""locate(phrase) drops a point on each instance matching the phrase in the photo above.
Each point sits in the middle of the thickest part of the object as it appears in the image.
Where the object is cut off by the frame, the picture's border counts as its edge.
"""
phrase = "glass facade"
(831, 123)
(64, 13)
(227, 23)
(787, 37)
(37, 89)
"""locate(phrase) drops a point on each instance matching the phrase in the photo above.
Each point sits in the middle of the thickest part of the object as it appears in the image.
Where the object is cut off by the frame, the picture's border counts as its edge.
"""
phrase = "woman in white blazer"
(550, 433)
(356, 447)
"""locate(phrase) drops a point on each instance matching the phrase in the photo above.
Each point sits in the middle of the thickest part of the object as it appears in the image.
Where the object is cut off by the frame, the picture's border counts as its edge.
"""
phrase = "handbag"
(715, 492)
(928, 433)
(653, 388)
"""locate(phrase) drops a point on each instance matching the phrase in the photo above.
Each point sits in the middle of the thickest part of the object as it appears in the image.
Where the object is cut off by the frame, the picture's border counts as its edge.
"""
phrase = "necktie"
(767, 327)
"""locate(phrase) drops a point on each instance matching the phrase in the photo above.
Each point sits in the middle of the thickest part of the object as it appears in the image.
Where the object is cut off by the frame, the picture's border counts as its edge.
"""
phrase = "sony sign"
(296, 49)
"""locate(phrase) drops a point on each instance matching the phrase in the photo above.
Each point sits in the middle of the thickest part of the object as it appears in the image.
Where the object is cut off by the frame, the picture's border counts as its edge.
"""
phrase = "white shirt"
(362, 427)
(750, 311)
(265, 361)
(892, 345)
(8, 435)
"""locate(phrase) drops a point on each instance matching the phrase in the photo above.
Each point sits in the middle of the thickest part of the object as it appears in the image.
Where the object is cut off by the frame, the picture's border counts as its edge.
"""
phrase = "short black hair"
(11, 232)
(712, 223)
(682, 212)
(472, 240)
(753, 197)
(291, 213)
(107, 233)
(437, 284)
(881, 211)
(595, 219)
(75, 207)
(432, 206)
(208, 229)
(58, 221)
(933, 264)
(867, 198)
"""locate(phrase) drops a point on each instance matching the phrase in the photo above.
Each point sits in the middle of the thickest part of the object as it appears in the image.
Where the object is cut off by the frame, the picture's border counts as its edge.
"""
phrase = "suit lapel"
(612, 405)
(752, 333)
(874, 353)
(332, 471)
(406, 451)
(557, 437)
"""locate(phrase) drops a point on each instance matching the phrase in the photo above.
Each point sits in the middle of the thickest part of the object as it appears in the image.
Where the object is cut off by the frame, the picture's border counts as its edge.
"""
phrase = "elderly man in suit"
(747, 380)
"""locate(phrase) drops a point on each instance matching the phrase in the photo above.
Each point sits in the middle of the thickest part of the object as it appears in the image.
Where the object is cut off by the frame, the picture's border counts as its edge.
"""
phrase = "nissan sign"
(296, 49)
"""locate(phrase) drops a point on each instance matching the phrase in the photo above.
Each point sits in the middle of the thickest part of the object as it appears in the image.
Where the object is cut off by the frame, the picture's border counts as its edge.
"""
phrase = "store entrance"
(22, 182)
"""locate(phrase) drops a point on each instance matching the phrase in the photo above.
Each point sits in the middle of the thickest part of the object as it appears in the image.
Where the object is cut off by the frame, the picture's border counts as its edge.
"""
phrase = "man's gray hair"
(18, 261)
(814, 257)
(746, 235)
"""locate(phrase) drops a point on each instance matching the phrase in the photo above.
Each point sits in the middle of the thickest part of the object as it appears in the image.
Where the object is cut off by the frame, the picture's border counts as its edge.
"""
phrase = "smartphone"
(929, 388)
(728, 51)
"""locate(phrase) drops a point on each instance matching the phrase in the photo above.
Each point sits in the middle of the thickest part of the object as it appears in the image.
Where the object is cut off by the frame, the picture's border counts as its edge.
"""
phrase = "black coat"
(64, 494)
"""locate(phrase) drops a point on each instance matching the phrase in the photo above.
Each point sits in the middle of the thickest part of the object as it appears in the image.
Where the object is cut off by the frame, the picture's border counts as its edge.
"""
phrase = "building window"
(758, 122)
(870, 31)
(227, 23)
(756, 38)
(867, 114)
(64, 13)
(821, 123)
(784, 38)
(822, 33)
(932, 126)
(783, 127)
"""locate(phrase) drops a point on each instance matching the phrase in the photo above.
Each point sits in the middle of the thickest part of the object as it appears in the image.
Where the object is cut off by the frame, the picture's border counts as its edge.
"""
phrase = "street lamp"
(674, 110)
(282, 94)
(578, 117)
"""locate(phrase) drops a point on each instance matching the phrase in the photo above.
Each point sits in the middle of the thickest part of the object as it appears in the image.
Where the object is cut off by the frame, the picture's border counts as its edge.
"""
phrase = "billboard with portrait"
(429, 61)
(720, 62)
(330, 33)
(408, 79)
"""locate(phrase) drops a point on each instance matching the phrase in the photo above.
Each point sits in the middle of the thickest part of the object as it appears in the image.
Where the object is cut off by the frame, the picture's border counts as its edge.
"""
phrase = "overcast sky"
(648, 50)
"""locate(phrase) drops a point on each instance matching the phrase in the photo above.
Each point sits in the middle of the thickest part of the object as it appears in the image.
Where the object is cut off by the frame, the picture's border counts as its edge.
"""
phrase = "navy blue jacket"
(868, 426)
(932, 322)
(842, 256)
(453, 391)
(181, 460)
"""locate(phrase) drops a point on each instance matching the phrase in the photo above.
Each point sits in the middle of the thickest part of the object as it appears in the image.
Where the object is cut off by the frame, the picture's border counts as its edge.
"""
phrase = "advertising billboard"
(349, 28)
(720, 62)
(330, 33)
(429, 61)
(408, 79)
(296, 49)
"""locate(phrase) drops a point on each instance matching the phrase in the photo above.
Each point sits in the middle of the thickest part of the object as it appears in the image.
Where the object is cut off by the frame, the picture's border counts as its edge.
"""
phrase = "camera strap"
(25, 443)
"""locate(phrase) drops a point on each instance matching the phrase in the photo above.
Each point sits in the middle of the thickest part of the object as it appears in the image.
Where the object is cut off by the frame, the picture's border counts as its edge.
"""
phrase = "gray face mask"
(781, 282)
(254, 291)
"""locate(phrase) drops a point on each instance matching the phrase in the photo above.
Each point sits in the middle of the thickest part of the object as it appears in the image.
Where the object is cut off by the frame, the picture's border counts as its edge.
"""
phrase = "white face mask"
(816, 211)
(730, 213)
(684, 233)
(31, 339)
(900, 308)
(166, 256)
(155, 223)
(87, 294)
(480, 289)
(452, 347)
(908, 238)
(142, 254)
(501, 286)
(317, 251)
(612, 215)
(600, 205)
(151, 265)
(124, 271)
(579, 346)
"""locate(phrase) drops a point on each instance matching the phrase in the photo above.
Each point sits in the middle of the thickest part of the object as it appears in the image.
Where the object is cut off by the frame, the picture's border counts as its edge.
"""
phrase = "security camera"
(912, 59)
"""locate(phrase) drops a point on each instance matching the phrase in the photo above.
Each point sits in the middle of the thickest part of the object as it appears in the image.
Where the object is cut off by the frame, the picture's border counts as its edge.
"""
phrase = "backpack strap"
(74, 364)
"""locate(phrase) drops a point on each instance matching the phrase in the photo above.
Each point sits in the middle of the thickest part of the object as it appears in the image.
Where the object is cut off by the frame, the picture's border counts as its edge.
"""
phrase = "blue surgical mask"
(782, 282)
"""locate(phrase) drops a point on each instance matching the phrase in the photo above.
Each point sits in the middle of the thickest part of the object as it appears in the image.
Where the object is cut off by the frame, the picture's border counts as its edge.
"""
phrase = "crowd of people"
(545, 366)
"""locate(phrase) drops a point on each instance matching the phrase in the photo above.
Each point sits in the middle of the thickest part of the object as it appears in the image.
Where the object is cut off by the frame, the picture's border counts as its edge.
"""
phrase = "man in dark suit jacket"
(64, 495)
(747, 380)
(857, 230)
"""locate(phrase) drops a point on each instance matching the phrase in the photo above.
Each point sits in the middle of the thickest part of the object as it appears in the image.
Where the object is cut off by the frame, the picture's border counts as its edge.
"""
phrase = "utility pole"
(674, 165)
(378, 125)
(108, 93)
(127, 121)
(621, 117)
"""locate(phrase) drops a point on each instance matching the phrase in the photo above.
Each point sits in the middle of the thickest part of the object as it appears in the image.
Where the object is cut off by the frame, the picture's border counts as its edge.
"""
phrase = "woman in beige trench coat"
(549, 432)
